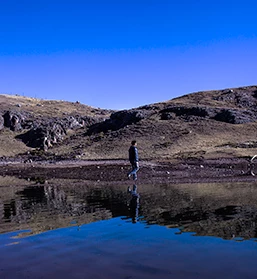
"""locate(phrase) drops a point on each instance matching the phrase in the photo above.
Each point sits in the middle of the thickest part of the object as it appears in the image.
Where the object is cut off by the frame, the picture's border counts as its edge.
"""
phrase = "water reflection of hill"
(222, 210)
(46, 207)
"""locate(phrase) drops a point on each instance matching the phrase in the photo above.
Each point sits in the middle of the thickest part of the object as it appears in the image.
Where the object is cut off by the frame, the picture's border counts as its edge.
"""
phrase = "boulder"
(120, 119)
(168, 115)
(13, 120)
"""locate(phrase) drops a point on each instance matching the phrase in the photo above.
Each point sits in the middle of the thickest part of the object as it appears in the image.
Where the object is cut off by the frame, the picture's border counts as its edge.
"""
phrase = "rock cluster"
(120, 119)
(49, 132)
(45, 132)
(14, 120)
(228, 115)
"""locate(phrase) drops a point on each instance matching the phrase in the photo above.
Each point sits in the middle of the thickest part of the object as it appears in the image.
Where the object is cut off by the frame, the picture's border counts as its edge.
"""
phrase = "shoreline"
(115, 170)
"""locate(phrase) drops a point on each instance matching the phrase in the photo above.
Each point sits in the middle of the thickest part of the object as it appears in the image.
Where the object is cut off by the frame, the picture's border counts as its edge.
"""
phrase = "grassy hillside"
(208, 124)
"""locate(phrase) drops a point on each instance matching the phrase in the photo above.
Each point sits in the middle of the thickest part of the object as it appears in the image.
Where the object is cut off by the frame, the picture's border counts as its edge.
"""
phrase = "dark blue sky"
(125, 53)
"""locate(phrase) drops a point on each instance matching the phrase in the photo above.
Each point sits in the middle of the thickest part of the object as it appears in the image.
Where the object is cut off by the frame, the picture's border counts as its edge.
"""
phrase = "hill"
(210, 124)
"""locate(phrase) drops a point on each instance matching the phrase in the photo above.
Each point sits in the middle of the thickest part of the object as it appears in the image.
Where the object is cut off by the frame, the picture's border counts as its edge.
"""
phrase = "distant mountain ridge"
(210, 124)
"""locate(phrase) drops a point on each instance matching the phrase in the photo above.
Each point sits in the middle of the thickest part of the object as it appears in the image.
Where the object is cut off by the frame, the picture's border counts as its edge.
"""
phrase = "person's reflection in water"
(134, 203)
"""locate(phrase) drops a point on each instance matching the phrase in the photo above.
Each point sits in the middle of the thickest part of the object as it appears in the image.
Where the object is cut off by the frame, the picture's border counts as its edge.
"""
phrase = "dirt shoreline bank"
(176, 171)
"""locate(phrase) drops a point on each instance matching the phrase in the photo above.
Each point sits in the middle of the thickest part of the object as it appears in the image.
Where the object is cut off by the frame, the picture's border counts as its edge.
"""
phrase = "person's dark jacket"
(133, 154)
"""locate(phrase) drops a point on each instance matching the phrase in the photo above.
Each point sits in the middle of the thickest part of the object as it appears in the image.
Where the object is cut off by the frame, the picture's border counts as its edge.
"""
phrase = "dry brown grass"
(9, 146)
(47, 108)
(162, 141)
(157, 139)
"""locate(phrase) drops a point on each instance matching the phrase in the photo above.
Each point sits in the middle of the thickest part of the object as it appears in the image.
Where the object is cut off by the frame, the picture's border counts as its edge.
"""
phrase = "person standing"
(134, 160)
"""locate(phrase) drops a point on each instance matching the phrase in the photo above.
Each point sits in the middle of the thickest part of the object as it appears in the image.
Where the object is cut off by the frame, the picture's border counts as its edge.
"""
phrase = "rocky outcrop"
(17, 121)
(41, 132)
(228, 115)
(240, 97)
(13, 120)
(173, 111)
(234, 116)
(119, 120)
(51, 131)
(44, 135)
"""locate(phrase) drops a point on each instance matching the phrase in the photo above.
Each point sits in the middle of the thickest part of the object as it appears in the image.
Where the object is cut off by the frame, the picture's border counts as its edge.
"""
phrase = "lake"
(82, 229)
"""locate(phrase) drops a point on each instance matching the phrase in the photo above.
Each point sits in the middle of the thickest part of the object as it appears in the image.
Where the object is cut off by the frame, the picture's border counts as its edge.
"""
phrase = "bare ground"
(180, 171)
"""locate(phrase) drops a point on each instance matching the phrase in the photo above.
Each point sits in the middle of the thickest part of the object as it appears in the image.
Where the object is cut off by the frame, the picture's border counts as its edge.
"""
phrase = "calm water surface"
(76, 229)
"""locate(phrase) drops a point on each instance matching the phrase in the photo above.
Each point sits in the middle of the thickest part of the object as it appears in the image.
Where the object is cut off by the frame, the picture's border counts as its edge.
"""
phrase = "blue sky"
(125, 53)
